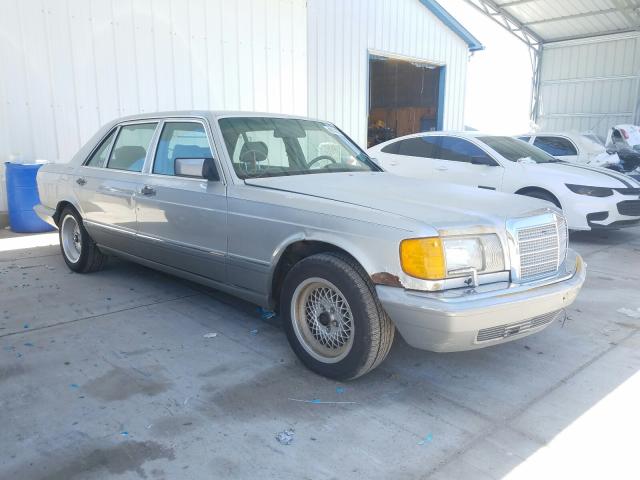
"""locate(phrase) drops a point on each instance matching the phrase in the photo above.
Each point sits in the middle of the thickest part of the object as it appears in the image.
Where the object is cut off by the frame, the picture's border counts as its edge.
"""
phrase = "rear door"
(106, 183)
(411, 157)
(182, 221)
(461, 161)
(559, 147)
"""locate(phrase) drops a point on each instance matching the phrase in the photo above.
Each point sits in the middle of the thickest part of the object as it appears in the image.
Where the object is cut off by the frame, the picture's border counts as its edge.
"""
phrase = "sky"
(498, 78)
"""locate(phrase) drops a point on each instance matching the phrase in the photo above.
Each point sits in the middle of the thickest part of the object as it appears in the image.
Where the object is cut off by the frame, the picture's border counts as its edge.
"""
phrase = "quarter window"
(100, 156)
(180, 140)
(459, 150)
(556, 146)
(131, 147)
(524, 139)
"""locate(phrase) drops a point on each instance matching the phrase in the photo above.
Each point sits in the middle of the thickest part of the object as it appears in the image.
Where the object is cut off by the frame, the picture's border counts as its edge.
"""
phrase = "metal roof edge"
(456, 27)
(604, 37)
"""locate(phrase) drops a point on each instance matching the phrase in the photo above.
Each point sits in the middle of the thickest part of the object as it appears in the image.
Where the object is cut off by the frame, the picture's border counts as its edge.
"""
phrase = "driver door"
(182, 221)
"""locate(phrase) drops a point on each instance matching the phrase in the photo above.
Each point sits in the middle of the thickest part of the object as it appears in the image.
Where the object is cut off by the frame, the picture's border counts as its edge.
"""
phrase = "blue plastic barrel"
(22, 195)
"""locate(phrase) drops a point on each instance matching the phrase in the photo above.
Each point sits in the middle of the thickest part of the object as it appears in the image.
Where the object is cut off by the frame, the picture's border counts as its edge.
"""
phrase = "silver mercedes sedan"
(291, 214)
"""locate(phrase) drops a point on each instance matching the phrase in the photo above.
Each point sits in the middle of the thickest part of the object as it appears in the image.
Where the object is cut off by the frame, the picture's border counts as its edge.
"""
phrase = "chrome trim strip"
(185, 246)
(240, 258)
(168, 243)
(112, 228)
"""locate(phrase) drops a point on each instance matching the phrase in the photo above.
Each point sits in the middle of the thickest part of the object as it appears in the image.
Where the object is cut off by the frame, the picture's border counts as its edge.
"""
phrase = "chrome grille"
(540, 249)
(504, 331)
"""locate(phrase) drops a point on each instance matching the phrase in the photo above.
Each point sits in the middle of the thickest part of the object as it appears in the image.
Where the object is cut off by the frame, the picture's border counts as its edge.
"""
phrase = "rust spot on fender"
(386, 278)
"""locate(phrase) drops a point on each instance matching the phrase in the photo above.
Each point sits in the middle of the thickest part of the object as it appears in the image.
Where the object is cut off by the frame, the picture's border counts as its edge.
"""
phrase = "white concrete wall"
(590, 84)
(342, 32)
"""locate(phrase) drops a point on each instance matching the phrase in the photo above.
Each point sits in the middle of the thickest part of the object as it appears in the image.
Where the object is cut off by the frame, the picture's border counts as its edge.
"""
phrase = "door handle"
(81, 181)
(442, 168)
(147, 190)
(393, 164)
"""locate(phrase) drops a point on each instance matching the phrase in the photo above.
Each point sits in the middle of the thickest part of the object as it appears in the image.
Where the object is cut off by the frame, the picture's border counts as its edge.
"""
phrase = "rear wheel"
(333, 319)
(80, 252)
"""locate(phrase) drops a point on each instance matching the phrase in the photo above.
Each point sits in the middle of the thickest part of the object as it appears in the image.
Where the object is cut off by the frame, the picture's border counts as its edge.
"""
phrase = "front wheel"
(333, 319)
(80, 252)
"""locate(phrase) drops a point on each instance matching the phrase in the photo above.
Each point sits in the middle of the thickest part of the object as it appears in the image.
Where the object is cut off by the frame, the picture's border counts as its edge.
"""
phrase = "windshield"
(516, 150)
(274, 147)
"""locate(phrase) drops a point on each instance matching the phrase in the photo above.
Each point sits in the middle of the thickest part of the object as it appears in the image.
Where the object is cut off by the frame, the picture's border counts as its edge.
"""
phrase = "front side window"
(556, 146)
(180, 140)
(459, 150)
(100, 156)
(515, 150)
(131, 147)
(273, 147)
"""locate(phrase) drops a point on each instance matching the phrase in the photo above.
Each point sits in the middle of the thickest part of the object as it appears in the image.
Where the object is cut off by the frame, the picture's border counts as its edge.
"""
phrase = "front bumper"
(594, 213)
(465, 319)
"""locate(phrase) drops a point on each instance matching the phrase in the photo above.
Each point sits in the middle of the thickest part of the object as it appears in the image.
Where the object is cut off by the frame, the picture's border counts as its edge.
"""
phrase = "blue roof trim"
(446, 18)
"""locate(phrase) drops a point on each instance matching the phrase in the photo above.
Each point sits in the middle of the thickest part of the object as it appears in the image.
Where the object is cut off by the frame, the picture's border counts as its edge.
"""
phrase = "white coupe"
(590, 197)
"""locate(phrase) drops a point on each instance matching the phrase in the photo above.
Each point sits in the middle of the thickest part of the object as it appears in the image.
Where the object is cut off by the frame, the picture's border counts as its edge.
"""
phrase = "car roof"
(572, 133)
(206, 113)
(460, 133)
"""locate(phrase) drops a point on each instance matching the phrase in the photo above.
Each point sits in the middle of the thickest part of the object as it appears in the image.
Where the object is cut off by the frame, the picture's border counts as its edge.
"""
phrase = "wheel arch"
(527, 190)
(293, 251)
(62, 204)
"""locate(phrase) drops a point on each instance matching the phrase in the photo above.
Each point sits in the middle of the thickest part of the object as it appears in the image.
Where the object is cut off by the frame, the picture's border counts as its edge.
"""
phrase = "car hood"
(433, 203)
(566, 172)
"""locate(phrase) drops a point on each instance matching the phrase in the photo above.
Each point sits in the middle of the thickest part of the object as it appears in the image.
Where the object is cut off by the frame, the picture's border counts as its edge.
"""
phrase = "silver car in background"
(290, 214)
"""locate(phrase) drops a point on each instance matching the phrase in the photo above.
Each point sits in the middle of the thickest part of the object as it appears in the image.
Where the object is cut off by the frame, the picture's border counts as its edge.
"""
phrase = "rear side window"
(425, 147)
(459, 150)
(100, 156)
(556, 146)
(180, 140)
(391, 148)
(131, 147)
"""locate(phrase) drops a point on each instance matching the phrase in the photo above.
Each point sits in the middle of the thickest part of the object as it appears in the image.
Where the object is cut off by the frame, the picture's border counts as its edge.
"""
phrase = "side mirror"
(196, 168)
(481, 160)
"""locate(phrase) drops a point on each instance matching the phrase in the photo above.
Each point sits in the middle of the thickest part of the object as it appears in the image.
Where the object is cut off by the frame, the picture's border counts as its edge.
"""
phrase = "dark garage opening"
(404, 98)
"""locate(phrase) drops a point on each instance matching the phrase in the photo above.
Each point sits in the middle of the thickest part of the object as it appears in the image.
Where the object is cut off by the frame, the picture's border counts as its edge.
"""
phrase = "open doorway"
(404, 98)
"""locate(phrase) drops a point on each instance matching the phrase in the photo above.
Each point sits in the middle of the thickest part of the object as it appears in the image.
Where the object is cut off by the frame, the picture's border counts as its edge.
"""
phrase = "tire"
(334, 321)
(542, 195)
(80, 252)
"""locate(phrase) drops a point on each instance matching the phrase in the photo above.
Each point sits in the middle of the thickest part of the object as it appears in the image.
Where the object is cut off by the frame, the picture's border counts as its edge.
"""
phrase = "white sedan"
(590, 197)
(583, 148)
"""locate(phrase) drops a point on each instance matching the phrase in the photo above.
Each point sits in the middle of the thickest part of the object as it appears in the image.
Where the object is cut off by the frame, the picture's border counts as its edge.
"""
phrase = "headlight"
(590, 191)
(436, 258)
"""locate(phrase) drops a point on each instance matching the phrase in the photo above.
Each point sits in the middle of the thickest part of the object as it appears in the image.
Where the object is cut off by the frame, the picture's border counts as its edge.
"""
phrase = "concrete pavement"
(109, 375)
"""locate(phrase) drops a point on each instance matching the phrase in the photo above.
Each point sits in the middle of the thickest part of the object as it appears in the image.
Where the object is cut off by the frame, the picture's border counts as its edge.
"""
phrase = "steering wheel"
(321, 157)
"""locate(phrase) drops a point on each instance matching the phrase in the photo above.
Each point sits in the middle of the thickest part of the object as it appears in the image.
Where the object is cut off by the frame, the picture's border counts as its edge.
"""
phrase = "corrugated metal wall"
(342, 32)
(68, 66)
(71, 65)
(590, 84)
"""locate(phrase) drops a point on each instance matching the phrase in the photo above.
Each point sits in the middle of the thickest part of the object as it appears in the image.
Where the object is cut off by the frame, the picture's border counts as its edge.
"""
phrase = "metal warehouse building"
(70, 66)
(586, 59)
